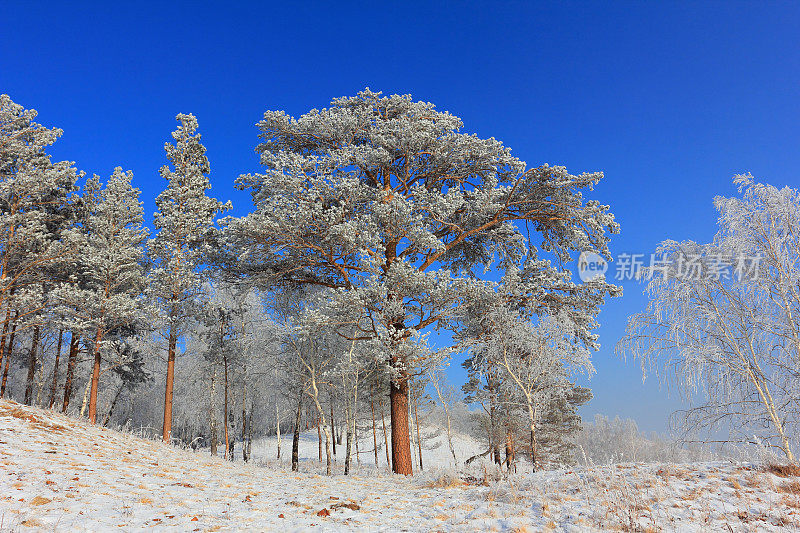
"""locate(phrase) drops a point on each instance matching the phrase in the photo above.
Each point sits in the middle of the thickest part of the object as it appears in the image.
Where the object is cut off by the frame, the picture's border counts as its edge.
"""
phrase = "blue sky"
(669, 99)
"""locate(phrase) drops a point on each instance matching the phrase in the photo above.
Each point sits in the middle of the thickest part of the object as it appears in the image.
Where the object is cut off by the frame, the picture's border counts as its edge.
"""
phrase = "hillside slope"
(57, 473)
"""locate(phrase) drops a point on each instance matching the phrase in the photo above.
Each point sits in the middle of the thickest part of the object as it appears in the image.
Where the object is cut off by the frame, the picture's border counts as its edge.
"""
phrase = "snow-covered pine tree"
(109, 295)
(183, 222)
(386, 201)
(35, 197)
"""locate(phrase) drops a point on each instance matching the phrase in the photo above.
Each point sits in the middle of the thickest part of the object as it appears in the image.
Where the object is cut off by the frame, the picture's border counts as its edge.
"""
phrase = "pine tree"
(385, 201)
(183, 221)
(111, 269)
(35, 205)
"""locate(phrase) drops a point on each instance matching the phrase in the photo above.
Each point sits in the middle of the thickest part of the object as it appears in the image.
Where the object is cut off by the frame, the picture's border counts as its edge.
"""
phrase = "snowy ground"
(61, 474)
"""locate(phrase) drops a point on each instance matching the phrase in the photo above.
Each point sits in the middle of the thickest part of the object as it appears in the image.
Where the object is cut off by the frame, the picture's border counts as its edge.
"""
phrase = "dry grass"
(734, 483)
(12, 409)
(787, 470)
(788, 501)
(445, 481)
(792, 487)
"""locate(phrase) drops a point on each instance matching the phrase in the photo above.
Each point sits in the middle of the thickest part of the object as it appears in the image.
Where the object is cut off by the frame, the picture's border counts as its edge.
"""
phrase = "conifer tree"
(183, 221)
(384, 201)
(109, 296)
(35, 202)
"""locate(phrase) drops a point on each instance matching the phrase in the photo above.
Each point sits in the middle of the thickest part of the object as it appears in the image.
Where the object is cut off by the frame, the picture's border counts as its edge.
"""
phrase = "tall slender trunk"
(225, 415)
(401, 442)
(95, 377)
(494, 437)
(349, 445)
(249, 444)
(333, 426)
(32, 365)
(385, 434)
(321, 413)
(413, 442)
(374, 428)
(85, 401)
(166, 433)
(278, 413)
(416, 422)
(319, 437)
(296, 436)
(107, 419)
(9, 355)
(54, 384)
(532, 417)
(244, 422)
(212, 412)
(71, 362)
(3, 337)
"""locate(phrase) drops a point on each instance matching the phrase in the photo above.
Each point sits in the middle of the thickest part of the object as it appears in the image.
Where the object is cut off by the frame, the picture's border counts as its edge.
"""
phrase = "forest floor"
(62, 474)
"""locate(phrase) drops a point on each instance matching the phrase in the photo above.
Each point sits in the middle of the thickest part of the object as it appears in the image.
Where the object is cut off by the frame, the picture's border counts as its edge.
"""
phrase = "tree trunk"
(333, 427)
(296, 436)
(450, 435)
(416, 422)
(319, 437)
(374, 427)
(9, 355)
(278, 424)
(3, 337)
(225, 415)
(95, 377)
(32, 365)
(166, 433)
(71, 362)
(278, 413)
(85, 401)
(212, 412)
(107, 419)
(401, 443)
(244, 422)
(349, 446)
(509, 447)
(321, 414)
(249, 444)
(54, 384)
(532, 416)
(385, 434)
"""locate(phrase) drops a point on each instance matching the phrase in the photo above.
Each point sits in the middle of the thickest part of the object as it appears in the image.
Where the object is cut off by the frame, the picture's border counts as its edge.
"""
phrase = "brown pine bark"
(54, 384)
(167, 427)
(95, 377)
(32, 365)
(9, 355)
(71, 362)
(401, 441)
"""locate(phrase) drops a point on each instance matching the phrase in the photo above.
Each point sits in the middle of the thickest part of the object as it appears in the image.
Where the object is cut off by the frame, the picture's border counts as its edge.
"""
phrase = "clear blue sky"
(669, 99)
